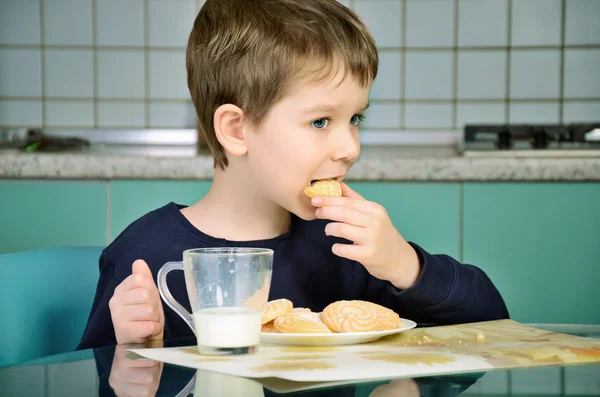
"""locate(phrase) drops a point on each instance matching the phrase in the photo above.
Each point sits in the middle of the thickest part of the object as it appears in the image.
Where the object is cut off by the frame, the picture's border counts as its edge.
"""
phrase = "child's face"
(312, 133)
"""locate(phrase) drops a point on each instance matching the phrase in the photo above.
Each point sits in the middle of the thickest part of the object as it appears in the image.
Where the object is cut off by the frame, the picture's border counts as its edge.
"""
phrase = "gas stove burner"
(561, 140)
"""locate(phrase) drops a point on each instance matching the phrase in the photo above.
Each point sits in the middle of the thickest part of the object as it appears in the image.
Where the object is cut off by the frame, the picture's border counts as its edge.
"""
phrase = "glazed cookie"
(389, 318)
(269, 327)
(301, 310)
(276, 308)
(325, 187)
(359, 316)
(301, 323)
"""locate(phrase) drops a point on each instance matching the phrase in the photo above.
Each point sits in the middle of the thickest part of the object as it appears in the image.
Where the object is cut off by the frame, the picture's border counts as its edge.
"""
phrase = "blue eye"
(357, 119)
(320, 123)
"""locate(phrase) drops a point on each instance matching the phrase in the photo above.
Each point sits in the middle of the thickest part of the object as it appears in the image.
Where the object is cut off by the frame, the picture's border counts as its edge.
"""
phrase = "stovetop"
(532, 140)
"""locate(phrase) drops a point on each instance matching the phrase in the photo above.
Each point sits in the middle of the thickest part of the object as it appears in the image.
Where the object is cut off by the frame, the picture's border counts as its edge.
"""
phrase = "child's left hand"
(378, 246)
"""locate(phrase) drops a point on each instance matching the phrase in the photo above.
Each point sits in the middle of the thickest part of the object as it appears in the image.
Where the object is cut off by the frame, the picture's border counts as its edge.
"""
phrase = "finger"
(141, 267)
(358, 235)
(138, 296)
(140, 376)
(348, 192)
(322, 201)
(136, 281)
(139, 331)
(141, 363)
(348, 215)
(140, 312)
(349, 251)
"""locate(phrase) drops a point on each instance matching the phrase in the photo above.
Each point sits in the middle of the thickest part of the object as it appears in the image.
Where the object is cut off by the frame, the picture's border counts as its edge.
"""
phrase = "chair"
(45, 300)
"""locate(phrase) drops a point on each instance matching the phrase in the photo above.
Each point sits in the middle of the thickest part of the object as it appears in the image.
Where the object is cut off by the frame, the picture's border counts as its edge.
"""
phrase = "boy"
(280, 87)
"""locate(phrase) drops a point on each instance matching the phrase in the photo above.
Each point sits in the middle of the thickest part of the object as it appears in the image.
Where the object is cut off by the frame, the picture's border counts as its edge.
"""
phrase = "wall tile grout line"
(94, 64)
(42, 65)
(501, 109)
(379, 101)
(178, 49)
(146, 18)
(455, 65)
(402, 71)
(508, 61)
(561, 76)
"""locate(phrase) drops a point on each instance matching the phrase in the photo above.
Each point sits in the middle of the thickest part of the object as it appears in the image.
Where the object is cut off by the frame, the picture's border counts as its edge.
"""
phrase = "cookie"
(301, 310)
(325, 187)
(276, 308)
(269, 327)
(359, 316)
(301, 323)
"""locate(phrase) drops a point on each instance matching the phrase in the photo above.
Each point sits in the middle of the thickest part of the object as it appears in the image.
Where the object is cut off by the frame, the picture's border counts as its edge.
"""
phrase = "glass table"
(109, 372)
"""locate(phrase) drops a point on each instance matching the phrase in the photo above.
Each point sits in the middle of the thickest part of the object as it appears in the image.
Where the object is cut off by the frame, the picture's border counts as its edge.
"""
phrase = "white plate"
(334, 339)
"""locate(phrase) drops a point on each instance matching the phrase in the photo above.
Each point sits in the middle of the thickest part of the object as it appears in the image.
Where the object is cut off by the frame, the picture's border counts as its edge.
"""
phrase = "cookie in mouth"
(324, 187)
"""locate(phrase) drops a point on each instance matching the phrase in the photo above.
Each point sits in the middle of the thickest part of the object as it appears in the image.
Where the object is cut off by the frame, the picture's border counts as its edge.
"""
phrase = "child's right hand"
(135, 307)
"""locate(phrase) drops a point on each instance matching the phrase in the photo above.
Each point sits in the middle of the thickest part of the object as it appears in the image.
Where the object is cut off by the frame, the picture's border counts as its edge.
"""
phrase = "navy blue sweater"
(305, 271)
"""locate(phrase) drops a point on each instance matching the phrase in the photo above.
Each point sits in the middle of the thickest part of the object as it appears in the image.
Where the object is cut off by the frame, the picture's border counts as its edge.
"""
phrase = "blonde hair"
(246, 52)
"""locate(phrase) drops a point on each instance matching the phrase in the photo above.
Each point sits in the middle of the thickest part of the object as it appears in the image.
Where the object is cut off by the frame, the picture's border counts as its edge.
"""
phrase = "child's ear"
(229, 129)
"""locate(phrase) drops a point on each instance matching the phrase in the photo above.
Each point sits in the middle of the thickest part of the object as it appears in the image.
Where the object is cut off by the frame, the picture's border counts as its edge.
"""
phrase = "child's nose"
(346, 146)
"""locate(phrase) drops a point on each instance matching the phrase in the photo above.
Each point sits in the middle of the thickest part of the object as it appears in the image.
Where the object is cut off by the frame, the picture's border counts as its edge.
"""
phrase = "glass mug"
(228, 289)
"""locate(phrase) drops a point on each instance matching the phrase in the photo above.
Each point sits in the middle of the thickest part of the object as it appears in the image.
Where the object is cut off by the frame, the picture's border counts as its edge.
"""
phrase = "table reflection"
(124, 374)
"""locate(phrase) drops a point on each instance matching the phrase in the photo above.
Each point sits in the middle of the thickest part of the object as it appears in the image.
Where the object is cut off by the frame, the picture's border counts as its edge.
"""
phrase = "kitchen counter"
(376, 163)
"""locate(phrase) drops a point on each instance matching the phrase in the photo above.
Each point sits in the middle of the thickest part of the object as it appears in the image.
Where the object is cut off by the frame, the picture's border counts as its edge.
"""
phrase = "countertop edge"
(371, 167)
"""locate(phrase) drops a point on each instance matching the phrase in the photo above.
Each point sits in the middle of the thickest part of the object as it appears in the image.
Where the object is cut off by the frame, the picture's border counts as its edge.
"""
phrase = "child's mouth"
(330, 186)
(337, 178)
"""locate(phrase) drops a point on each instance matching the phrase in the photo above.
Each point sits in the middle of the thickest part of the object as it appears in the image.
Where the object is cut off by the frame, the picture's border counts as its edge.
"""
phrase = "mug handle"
(163, 289)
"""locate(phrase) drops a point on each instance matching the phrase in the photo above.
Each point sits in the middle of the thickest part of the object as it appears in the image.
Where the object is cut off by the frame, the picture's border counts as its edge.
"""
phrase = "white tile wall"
(20, 72)
(121, 74)
(167, 75)
(170, 22)
(535, 74)
(121, 114)
(482, 23)
(68, 73)
(172, 115)
(429, 75)
(579, 111)
(70, 114)
(480, 113)
(382, 115)
(384, 20)
(15, 113)
(20, 13)
(582, 22)
(98, 62)
(120, 23)
(481, 74)
(428, 115)
(68, 22)
(536, 22)
(387, 82)
(422, 15)
(582, 79)
(545, 112)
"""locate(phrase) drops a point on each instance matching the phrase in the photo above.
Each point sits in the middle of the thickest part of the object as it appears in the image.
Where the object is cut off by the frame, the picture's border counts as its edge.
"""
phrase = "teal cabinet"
(425, 213)
(540, 244)
(45, 214)
(130, 199)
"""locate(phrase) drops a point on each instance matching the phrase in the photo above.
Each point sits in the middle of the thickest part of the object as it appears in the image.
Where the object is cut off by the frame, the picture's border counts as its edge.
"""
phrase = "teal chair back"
(45, 300)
